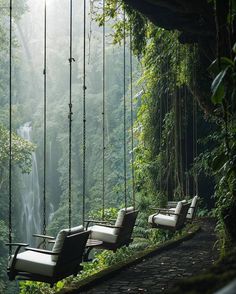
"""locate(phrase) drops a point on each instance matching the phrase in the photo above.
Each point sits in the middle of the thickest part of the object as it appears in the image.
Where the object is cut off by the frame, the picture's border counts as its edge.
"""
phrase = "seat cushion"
(120, 217)
(192, 207)
(162, 219)
(34, 262)
(61, 237)
(178, 209)
(74, 230)
(104, 234)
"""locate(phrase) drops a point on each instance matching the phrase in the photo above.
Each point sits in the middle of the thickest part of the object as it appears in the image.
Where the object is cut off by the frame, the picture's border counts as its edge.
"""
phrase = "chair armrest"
(166, 211)
(171, 212)
(94, 221)
(51, 241)
(43, 236)
(163, 209)
(17, 244)
(41, 251)
(111, 226)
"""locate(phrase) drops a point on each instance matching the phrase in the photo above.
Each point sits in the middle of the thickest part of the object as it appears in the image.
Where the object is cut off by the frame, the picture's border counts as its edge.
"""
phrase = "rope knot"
(71, 59)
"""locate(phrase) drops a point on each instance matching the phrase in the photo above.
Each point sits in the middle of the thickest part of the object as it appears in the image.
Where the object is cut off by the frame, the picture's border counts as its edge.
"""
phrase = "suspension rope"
(132, 117)
(180, 135)
(71, 59)
(160, 134)
(167, 139)
(186, 128)
(196, 119)
(124, 87)
(10, 131)
(45, 120)
(84, 112)
(103, 110)
(193, 143)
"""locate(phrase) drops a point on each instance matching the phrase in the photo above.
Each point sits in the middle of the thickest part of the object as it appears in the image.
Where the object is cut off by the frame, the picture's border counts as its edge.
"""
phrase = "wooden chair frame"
(172, 204)
(68, 263)
(181, 217)
(125, 231)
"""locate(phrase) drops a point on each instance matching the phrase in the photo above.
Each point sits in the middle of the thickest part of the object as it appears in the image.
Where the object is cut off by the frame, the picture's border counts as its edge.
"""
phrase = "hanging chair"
(192, 209)
(170, 219)
(117, 235)
(49, 266)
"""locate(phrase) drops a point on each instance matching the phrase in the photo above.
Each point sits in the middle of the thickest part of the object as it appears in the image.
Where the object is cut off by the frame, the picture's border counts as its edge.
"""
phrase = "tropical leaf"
(217, 87)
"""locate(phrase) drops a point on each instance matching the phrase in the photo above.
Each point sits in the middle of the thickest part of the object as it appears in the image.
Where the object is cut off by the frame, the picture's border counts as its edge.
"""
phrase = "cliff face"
(193, 18)
(195, 21)
(198, 21)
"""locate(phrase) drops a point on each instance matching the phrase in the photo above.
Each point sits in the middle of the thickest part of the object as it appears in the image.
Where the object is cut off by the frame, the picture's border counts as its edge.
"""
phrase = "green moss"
(210, 281)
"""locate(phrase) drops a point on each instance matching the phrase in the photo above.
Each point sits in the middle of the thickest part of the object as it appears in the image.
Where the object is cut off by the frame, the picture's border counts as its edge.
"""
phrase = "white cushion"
(61, 237)
(75, 230)
(162, 219)
(178, 209)
(104, 234)
(120, 217)
(34, 262)
(192, 207)
(128, 209)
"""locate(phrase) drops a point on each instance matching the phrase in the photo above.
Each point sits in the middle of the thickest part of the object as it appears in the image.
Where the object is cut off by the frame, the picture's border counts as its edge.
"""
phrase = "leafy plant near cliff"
(224, 161)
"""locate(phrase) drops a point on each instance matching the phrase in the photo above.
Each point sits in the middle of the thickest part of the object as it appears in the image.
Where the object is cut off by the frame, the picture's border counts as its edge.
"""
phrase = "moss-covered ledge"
(213, 279)
(105, 274)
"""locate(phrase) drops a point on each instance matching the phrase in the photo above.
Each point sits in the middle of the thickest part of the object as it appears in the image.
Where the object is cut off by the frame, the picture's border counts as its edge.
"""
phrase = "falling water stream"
(30, 219)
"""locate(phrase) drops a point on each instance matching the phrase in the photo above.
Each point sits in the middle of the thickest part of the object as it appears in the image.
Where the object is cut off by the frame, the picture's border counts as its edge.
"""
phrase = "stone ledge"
(107, 273)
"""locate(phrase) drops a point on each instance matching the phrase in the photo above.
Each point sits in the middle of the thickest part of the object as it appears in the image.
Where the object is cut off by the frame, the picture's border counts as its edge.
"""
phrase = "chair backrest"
(127, 226)
(182, 215)
(193, 207)
(72, 252)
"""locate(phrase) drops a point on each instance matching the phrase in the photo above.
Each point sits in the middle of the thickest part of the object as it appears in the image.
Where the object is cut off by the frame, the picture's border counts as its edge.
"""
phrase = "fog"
(28, 100)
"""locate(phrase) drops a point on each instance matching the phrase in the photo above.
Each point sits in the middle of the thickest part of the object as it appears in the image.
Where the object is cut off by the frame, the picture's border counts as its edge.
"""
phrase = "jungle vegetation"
(184, 127)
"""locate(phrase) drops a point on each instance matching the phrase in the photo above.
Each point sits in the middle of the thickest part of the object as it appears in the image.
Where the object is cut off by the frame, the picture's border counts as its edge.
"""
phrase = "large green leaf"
(217, 87)
(224, 62)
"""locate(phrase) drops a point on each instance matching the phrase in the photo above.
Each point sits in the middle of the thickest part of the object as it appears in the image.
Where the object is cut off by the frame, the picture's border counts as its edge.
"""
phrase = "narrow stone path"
(157, 274)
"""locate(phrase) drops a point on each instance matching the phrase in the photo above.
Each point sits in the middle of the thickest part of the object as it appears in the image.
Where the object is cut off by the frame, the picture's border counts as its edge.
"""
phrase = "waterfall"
(29, 192)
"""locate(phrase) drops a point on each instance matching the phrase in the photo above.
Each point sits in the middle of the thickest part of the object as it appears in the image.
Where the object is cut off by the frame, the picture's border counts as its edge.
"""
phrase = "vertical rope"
(176, 125)
(186, 128)
(45, 119)
(194, 136)
(160, 134)
(10, 130)
(167, 139)
(70, 115)
(84, 112)
(196, 128)
(124, 85)
(103, 111)
(132, 118)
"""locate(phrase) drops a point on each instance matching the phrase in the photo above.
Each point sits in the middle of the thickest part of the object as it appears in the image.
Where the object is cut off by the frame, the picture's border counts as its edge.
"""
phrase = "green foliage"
(21, 150)
(29, 287)
(109, 214)
(223, 159)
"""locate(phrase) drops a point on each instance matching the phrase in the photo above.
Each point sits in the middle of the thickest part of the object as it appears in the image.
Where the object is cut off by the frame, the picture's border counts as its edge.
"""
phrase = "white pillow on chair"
(120, 217)
(178, 209)
(61, 238)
